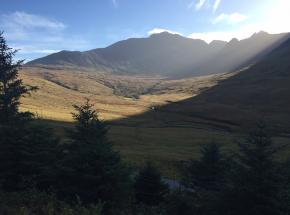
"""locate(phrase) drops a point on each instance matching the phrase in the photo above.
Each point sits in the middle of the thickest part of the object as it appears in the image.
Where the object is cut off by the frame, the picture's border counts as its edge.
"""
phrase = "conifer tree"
(11, 87)
(206, 179)
(258, 186)
(24, 148)
(92, 170)
(149, 187)
(207, 173)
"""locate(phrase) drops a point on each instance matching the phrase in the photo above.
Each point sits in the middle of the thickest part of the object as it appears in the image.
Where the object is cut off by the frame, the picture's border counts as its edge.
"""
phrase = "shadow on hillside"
(260, 92)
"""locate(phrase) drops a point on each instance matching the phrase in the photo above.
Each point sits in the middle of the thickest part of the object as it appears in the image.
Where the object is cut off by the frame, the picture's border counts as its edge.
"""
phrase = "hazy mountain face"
(265, 83)
(169, 55)
(260, 92)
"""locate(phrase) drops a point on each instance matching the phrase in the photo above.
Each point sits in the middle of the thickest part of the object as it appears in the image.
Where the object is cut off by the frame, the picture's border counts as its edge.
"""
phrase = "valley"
(161, 107)
(150, 118)
(163, 117)
(115, 96)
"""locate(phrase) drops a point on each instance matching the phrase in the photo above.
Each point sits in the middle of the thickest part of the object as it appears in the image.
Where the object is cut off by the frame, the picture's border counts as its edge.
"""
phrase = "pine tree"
(207, 173)
(149, 187)
(11, 87)
(206, 178)
(257, 183)
(24, 147)
(91, 169)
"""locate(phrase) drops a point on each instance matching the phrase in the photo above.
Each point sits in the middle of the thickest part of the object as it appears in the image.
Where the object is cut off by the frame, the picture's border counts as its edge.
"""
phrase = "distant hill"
(169, 55)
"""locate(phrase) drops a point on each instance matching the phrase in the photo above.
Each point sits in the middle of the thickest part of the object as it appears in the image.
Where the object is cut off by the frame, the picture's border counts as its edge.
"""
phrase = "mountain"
(168, 54)
(264, 86)
(259, 92)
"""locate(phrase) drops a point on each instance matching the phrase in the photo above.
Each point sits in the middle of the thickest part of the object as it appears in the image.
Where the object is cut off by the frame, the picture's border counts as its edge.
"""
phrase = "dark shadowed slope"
(262, 91)
(263, 87)
(168, 54)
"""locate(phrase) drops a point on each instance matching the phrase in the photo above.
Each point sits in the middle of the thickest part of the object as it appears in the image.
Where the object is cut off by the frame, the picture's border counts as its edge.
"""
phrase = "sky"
(41, 27)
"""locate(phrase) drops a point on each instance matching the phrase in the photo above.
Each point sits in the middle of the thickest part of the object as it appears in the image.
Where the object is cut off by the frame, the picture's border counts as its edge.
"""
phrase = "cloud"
(216, 5)
(34, 50)
(233, 18)
(198, 4)
(28, 21)
(224, 36)
(160, 30)
(240, 33)
(275, 21)
(278, 17)
(35, 35)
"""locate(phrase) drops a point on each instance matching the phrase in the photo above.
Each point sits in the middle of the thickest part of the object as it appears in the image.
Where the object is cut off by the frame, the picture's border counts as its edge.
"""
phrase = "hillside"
(260, 92)
(168, 55)
(116, 96)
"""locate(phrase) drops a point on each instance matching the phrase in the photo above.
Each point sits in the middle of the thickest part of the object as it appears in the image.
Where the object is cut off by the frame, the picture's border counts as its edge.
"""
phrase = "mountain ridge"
(169, 55)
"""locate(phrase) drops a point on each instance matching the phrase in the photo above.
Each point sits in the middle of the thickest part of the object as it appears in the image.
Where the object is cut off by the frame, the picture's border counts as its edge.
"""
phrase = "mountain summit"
(170, 55)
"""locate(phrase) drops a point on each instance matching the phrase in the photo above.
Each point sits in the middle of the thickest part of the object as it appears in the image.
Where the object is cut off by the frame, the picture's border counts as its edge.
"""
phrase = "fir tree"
(207, 173)
(206, 179)
(11, 87)
(258, 184)
(149, 187)
(91, 169)
(24, 147)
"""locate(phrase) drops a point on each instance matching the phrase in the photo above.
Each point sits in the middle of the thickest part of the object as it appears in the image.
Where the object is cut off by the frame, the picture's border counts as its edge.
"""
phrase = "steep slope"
(262, 91)
(264, 85)
(169, 55)
(259, 92)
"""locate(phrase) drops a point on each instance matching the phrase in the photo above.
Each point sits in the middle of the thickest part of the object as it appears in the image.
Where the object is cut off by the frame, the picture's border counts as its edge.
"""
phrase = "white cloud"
(233, 18)
(25, 20)
(35, 50)
(35, 35)
(242, 32)
(224, 36)
(160, 30)
(216, 5)
(199, 4)
(278, 17)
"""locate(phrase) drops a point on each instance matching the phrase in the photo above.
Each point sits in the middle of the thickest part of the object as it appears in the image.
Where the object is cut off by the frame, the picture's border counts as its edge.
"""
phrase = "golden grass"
(60, 89)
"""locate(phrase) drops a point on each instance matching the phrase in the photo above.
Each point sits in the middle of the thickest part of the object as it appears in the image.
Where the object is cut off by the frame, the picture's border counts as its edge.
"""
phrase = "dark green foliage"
(180, 203)
(33, 202)
(149, 188)
(258, 185)
(11, 87)
(206, 179)
(89, 129)
(91, 169)
(27, 157)
(27, 152)
(207, 173)
(148, 210)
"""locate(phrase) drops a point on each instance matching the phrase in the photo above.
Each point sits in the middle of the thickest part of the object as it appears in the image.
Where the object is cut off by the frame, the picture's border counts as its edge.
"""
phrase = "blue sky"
(39, 27)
